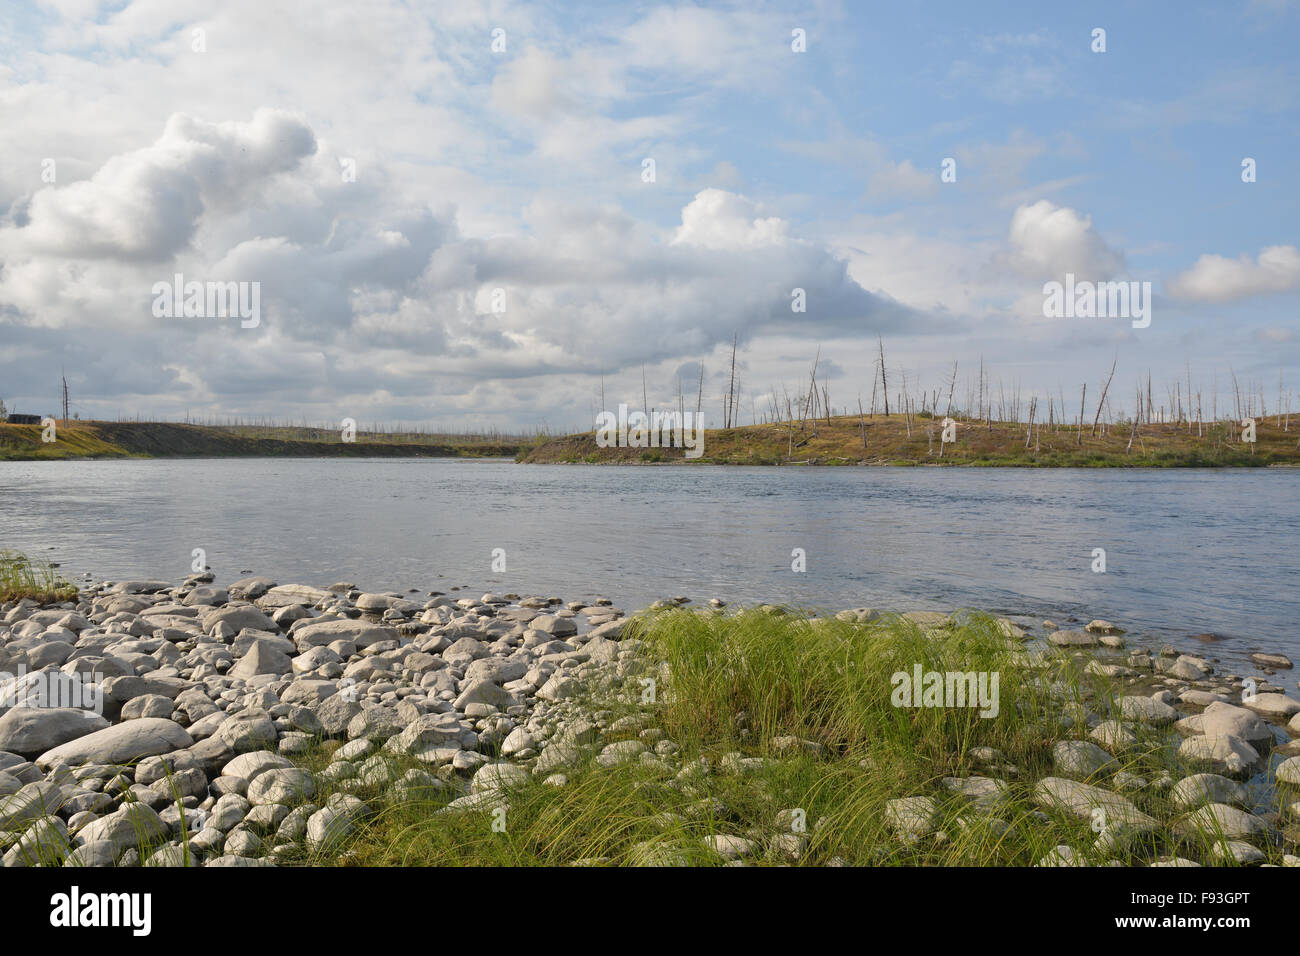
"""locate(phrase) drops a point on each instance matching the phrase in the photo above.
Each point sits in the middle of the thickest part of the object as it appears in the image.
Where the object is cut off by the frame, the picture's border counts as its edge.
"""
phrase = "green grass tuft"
(21, 577)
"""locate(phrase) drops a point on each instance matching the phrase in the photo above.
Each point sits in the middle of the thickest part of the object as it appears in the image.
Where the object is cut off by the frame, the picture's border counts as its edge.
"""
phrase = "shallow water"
(1187, 551)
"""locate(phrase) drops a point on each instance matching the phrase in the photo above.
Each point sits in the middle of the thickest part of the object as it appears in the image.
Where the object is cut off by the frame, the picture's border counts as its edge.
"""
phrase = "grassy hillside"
(172, 440)
(839, 442)
(887, 442)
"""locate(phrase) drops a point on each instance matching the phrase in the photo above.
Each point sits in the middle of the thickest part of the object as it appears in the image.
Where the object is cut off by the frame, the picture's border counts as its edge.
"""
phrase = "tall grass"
(21, 577)
(782, 731)
(729, 687)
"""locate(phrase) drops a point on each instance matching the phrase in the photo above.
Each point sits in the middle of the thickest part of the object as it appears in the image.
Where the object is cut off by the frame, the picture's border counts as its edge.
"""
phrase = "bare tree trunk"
(1083, 397)
(731, 384)
(789, 416)
(1104, 390)
(699, 397)
(813, 399)
(884, 384)
(1136, 415)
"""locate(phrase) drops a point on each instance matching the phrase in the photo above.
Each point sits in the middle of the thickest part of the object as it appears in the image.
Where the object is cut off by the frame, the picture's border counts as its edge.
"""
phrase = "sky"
(491, 214)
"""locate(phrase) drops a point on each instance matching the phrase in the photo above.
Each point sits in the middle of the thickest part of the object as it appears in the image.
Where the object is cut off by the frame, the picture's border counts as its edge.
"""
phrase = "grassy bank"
(776, 740)
(21, 578)
(678, 737)
(175, 440)
(891, 440)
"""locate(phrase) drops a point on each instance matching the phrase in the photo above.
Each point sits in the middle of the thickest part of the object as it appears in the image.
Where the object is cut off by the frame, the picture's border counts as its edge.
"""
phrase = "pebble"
(212, 693)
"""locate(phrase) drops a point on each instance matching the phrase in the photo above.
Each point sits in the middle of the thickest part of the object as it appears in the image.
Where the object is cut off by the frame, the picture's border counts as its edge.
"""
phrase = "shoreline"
(262, 723)
(917, 440)
(91, 440)
(841, 442)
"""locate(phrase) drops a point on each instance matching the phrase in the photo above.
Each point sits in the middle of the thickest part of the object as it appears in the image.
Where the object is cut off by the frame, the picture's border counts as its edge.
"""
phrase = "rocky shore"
(262, 723)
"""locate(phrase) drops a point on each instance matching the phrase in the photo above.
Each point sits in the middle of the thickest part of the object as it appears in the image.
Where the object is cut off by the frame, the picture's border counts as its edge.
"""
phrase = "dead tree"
(1104, 390)
(726, 423)
(1137, 414)
(1083, 397)
(884, 384)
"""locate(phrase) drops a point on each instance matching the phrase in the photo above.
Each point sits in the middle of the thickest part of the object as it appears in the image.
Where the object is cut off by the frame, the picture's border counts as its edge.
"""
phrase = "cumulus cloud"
(1218, 279)
(717, 219)
(498, 250)
(217, 201)
(359, 269)
(593, 287)
(1046, 241)
(146, 205)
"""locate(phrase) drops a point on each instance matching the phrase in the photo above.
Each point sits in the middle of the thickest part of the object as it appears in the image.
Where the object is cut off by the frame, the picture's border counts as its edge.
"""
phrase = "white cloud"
(1047, 241)
(1218, 279)
(363, 275)
(521, 171)
(716, 219)
(146, 204)
(737, 48)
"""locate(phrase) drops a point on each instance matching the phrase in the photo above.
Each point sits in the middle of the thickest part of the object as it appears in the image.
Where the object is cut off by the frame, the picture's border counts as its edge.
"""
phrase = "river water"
(1186, 551)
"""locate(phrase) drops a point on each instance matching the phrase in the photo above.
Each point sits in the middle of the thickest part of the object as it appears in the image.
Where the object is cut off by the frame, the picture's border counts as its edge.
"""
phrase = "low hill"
(174, 440)
(887, 440)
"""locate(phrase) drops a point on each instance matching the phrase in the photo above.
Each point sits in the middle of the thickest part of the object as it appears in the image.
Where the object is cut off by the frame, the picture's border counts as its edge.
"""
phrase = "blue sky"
(520, 170)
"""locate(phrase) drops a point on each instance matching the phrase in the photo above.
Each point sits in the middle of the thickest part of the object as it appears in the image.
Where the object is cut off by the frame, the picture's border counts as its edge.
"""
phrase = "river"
(1186, 551)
